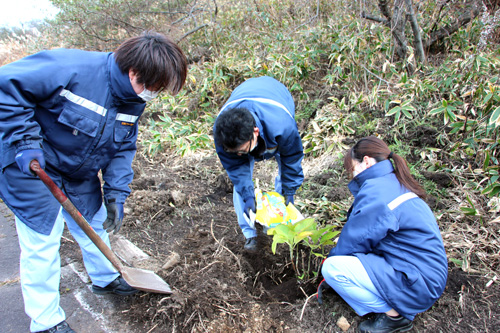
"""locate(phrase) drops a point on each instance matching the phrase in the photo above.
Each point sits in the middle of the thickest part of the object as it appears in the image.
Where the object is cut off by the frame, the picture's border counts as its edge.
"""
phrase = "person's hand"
(249, 206)
(24, 158)
(115, 217)
(289, 199)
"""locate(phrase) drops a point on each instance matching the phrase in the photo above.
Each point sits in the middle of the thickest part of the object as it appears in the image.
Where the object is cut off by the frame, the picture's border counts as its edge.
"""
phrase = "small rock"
(343, 324)
(178, 197)
(172, 260)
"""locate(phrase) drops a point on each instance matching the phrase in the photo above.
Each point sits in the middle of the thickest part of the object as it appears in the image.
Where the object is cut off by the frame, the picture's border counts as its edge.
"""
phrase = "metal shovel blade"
(145, 280)
(138, 278)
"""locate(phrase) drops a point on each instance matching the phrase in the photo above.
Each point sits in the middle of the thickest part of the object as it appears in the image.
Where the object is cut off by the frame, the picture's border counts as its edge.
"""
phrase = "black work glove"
(115, 216)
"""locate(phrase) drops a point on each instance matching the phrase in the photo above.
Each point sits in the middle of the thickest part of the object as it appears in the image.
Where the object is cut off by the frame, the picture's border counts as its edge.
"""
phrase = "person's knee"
(330, 270)
(335, 272)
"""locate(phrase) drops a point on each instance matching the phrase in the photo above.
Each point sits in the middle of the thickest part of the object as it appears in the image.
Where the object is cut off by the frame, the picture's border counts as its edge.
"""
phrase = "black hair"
(158, 62)
(234, 127)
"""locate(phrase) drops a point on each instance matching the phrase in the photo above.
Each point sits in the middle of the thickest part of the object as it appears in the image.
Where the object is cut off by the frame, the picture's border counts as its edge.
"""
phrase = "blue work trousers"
(350, 280)
(40, 266)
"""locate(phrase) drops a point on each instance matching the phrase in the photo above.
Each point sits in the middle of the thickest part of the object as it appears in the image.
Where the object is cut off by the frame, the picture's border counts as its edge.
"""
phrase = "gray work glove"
(115, 216)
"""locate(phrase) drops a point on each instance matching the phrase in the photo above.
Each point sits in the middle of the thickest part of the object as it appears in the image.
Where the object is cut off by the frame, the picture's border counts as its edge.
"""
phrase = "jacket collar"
(261, 140)
(379, 169)
(121, 88)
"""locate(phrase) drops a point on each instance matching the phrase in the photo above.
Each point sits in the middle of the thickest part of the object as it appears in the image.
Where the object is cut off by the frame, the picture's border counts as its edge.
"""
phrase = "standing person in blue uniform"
(77, 113)
(258, 123)
(390, 257)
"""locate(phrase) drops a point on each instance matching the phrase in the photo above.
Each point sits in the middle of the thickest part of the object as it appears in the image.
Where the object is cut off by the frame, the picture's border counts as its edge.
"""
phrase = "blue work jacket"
(273, 109)
(395, 236)
(82, 110)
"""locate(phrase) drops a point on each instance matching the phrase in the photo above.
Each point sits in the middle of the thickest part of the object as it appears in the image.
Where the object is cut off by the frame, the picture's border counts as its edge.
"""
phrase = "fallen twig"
(212, 263)
(304, 307)
(67, 239)
(151, 330)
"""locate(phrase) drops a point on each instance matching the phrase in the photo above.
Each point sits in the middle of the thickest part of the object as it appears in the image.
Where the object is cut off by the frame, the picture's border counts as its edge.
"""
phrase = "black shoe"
(62, 327)
(119, 286)
(251, 244)
(382, 323)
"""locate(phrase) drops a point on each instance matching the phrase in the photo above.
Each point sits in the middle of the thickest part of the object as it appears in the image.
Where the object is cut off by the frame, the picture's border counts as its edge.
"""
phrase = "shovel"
(138, 278)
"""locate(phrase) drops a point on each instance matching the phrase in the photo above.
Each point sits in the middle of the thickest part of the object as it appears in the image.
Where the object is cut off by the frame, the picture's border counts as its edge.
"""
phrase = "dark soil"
(180, 212)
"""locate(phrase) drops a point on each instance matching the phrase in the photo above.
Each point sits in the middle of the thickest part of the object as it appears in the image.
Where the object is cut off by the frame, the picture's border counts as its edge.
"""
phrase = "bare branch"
(446, 31)
(312, 18)
(417, 38)
(397, 28)
(383, 6)
(374, 18)
(439, 15)
(192, 32)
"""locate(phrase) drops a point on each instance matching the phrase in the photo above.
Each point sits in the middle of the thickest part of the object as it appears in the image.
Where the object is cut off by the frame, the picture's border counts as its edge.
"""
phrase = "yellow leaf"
(304, 234)
(468, 93)
(316, 127)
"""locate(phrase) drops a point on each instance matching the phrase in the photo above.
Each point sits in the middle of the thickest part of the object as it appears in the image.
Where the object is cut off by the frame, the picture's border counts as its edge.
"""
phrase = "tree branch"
(383, 6)
(446, 31)
(417, 38)
(374, 18)
(192, 32)
(311, 19)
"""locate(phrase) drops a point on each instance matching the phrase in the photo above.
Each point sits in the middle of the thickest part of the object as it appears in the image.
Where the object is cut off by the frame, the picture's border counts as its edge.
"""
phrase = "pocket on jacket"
(72, 117)
(122, 132)
(124, 126)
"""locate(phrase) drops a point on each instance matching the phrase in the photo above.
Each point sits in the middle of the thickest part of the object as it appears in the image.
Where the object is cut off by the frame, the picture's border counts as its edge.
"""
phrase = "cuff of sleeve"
(28, 144)
(287, 192)
(109, 199)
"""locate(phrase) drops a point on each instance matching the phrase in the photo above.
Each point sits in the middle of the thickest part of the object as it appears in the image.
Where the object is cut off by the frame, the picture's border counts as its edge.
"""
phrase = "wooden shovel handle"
(75, 214)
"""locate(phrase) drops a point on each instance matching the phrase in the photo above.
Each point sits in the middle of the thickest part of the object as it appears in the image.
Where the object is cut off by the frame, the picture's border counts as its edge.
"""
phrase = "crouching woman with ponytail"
(389, 259)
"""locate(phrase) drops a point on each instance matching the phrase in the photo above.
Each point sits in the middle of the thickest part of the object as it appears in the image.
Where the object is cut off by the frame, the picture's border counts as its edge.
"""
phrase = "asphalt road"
(85, 311)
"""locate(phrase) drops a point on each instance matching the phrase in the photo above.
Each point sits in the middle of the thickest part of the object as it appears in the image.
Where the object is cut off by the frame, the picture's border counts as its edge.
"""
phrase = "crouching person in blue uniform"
(77, 113)
(255, 124)
(389, 259)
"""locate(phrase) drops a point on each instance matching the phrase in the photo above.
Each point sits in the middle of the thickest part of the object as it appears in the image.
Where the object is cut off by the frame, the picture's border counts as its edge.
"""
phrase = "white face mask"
(147, 95)
(255, 146)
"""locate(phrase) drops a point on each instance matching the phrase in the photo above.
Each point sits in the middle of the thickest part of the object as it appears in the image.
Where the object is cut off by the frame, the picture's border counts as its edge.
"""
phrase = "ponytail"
(404, 176)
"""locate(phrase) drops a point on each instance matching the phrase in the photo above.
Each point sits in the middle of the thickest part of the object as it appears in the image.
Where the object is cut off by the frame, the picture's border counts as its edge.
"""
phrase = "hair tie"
(390, 154)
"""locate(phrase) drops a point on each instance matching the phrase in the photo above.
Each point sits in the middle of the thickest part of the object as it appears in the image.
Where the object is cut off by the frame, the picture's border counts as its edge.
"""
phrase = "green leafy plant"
(402, 108)
(306, 232)
(472, 211)
(447, 110)
(182, 136)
